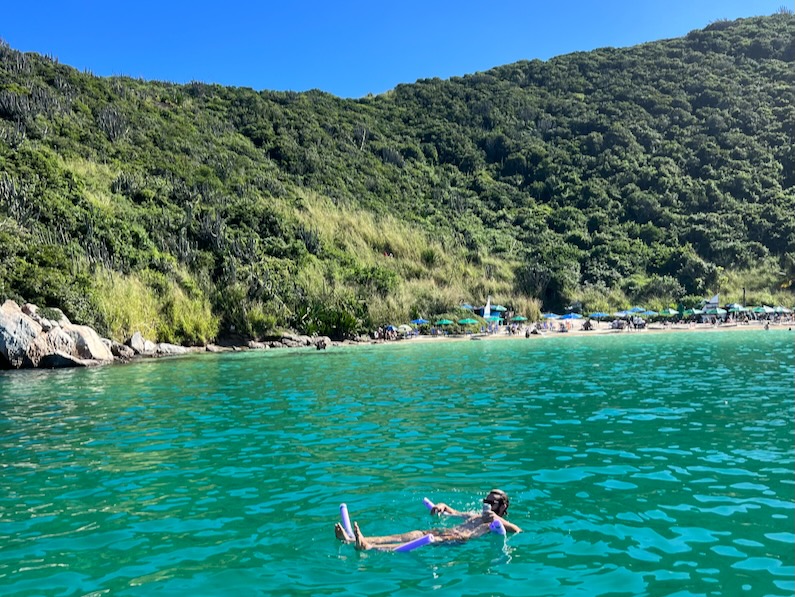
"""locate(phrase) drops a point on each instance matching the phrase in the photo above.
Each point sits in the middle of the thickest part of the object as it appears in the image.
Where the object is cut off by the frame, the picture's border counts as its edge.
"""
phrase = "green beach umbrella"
(467, 321)
(519, 318)
(668, 313)
(444, 322)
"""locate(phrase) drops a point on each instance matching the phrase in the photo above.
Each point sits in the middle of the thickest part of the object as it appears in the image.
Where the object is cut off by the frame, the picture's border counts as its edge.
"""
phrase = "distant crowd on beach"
(545, 326)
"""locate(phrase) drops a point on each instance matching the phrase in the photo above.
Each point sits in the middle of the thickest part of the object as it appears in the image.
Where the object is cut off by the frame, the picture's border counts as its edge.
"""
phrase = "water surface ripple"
(637, 465)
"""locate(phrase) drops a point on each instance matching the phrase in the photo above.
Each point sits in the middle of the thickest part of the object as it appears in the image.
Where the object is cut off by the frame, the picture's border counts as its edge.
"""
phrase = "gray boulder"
(88, 343)
(137, 343)
(18, 333)
(121, 351)
(166, 349)
(60, 360)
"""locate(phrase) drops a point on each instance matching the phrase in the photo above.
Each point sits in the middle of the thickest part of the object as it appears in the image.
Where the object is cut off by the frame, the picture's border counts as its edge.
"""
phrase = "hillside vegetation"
(655, 174)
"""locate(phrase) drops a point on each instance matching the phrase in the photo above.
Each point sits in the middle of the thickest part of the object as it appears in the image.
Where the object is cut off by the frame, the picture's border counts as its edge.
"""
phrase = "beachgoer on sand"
(475, 524)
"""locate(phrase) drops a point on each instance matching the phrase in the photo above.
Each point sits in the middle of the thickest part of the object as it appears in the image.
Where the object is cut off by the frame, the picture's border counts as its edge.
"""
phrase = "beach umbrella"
(468, 321)
(649, 313)
(444, 322)
(518, 318)
(689, 312)
(390, 328)
(498, 308)
(780, 309)
(572, 316)
(637, 309)
(599, 315)
(493, 318)
(763, 309)
(405, 329)
(621, 314)
(737, 309)
(668, 313)
(419, 321)
(550, 316)
(715, 311)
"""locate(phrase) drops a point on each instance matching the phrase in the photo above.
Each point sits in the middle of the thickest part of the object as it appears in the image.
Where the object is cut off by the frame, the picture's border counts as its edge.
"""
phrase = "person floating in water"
(474, 525)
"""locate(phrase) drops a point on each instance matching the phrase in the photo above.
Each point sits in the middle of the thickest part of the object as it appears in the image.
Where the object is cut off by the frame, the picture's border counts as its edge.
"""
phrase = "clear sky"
(348, 48)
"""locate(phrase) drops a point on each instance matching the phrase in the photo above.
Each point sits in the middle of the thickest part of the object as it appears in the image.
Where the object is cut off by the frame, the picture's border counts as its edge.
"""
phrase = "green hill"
(656, 174)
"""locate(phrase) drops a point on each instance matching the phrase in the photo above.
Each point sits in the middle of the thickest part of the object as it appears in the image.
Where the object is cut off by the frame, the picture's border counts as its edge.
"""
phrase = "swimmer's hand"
(441, 508)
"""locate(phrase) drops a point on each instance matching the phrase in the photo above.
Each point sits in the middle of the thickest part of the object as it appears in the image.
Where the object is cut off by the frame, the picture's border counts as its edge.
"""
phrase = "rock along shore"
(30, 340)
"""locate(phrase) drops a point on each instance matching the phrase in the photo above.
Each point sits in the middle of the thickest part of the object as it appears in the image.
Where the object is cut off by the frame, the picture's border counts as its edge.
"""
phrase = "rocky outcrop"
(28, 339)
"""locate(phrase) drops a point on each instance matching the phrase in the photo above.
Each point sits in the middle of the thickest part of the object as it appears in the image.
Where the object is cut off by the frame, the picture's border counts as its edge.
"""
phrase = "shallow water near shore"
(636, 464)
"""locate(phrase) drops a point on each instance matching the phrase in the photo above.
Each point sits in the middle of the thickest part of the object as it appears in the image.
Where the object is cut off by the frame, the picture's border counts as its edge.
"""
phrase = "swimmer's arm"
(442, 508)
(509, 526)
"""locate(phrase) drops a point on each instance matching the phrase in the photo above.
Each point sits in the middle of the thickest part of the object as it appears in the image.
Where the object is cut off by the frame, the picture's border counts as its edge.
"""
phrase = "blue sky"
(349, 49)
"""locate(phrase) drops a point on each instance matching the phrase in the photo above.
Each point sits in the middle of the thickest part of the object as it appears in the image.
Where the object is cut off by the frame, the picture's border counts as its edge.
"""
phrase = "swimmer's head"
(498, 500)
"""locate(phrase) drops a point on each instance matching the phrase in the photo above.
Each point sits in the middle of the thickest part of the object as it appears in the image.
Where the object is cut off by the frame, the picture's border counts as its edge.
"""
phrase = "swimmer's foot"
(340, 533)
(361, 542)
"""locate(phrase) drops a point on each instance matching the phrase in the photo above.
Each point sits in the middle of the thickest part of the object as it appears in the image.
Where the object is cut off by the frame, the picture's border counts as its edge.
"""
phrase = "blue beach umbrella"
(550, 316)
(599, 315)
(637, 309)
(419, 321)
(572, 316)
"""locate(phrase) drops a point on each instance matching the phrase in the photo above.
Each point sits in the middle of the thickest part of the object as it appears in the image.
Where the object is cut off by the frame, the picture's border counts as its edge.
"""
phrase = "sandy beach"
(601, 329)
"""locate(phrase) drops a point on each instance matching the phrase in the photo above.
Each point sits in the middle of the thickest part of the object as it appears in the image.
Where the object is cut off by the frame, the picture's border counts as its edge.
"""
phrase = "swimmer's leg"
(383, 543)
(361, 542)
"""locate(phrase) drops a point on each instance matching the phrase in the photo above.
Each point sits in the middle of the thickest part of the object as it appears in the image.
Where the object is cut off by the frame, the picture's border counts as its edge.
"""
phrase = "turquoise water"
(637, 465)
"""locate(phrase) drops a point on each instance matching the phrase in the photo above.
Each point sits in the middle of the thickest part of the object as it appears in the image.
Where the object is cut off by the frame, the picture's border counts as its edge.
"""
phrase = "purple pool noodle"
(424, 540)
(346, 521)
(496, 526)
(428, 503)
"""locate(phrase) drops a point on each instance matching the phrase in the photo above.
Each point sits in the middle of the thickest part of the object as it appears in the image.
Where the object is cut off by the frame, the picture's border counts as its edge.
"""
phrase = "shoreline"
(579, 332)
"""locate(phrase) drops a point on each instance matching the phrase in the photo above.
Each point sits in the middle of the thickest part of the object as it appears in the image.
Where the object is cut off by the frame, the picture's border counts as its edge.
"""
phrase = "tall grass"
(158, 308)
